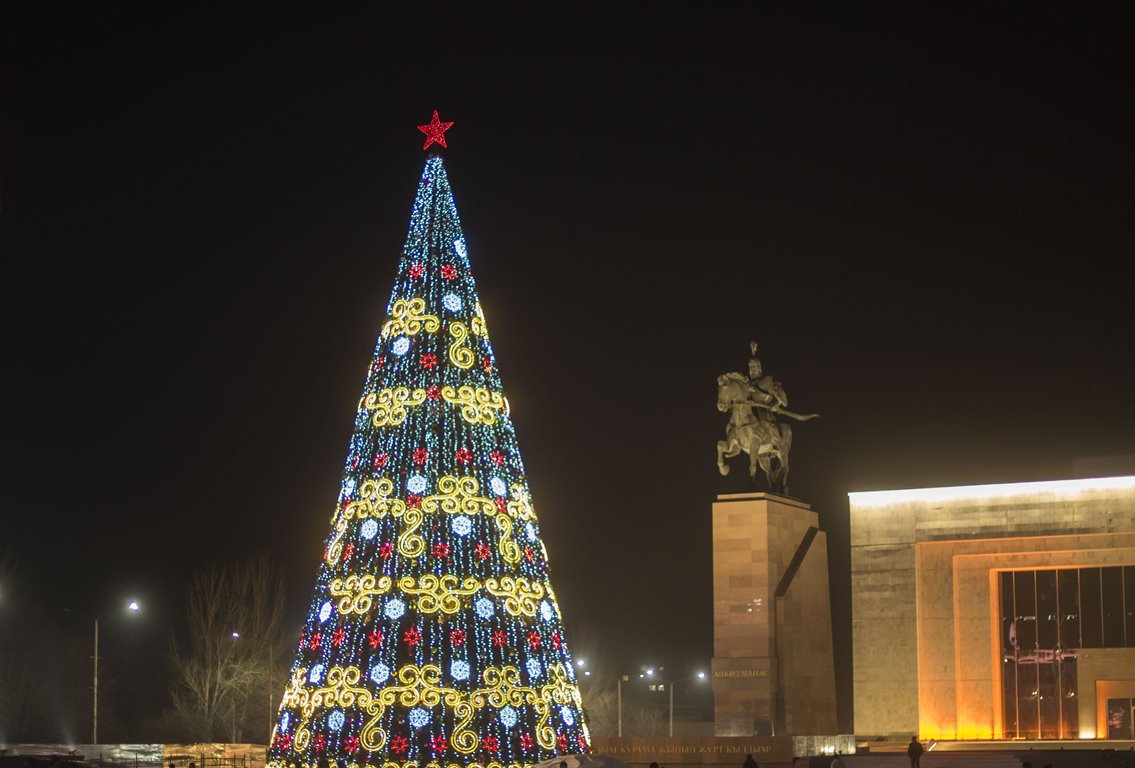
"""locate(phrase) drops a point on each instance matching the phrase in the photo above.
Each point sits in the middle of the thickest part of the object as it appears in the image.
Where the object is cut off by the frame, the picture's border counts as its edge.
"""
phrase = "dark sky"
(924, 217)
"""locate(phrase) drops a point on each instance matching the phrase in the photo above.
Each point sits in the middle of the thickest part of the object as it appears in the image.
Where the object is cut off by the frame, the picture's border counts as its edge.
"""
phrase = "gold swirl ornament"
(356, 592)
(520, 595)
(408, 317)
(458, 496)
(461, 496)
(375, 500)
(438, 593)
(410, 543)
(459, 354)
(504, 689)
(389, 405)
(421, 686)
(508, 548)
(561, 692)
(478, 405)
(521, 505)
(479, 326)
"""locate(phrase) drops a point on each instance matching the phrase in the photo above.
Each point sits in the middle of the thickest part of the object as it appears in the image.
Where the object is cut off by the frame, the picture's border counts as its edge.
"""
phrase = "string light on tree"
(434, 637)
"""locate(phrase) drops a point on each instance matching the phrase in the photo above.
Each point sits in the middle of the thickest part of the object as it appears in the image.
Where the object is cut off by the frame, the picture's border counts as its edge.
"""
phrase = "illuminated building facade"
(996, 611)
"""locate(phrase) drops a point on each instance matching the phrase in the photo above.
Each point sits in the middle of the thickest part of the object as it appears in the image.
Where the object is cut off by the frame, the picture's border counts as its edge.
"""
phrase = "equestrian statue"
(753, 403)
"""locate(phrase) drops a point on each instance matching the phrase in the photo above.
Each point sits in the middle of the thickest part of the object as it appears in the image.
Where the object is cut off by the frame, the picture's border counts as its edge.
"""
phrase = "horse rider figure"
(753, 426)
(766, 393)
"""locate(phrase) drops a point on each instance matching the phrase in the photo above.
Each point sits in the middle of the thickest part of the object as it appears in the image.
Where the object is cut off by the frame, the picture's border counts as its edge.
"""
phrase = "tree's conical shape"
(434, 637)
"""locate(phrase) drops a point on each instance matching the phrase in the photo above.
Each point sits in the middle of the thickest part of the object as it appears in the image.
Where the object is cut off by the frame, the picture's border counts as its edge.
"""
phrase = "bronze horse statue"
(753, 427)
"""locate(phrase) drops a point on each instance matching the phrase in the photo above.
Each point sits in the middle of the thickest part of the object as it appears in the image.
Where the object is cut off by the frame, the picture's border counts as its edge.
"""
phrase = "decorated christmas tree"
(433, 637)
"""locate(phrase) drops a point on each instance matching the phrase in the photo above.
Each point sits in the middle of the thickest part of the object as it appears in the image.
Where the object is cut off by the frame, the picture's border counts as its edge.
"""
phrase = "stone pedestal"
(773, 670)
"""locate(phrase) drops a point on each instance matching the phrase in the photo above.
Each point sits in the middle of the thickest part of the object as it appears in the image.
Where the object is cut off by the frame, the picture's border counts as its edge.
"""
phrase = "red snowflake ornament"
(429, 360)
(399, 745)
(448, 271)
(380, 460)
(412, 636)
(374, 639)
(533, 639)
(438, 743)
(441, 550)
(338, 637)
(499, 639)
(351, 744)
(417, 271)
(385, 550)
(482, 551)
(526, 741)
(491, 744)
(497, 458)
(421, 456)
(463, 456)
(314, 643)
(319, 742)
(457, 637)
(562, 742)
(433, 393)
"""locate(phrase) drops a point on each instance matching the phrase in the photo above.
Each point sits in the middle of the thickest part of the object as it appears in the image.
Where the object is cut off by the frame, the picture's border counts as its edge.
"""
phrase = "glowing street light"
(133, 607)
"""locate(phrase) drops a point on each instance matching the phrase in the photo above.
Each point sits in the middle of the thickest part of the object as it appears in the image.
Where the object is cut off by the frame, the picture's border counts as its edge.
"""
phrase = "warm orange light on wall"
(863, 499)
(966, 732)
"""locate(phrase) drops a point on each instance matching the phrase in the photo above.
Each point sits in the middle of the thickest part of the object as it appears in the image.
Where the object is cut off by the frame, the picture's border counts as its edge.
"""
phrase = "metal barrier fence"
(199, 761)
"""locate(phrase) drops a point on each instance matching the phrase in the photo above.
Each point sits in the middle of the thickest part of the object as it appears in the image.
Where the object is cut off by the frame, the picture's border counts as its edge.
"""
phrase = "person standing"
(749, 762)
(914, 752)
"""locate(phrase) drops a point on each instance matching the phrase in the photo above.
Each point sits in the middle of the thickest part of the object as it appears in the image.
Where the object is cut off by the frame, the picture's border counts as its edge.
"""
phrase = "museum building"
(995, 611)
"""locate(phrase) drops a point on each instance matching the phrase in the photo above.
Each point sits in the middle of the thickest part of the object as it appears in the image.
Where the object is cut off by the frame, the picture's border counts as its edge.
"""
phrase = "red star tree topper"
(435, 131)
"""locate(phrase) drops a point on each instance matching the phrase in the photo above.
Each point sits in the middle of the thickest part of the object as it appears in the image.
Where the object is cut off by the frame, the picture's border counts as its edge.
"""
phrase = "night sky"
(924, 217)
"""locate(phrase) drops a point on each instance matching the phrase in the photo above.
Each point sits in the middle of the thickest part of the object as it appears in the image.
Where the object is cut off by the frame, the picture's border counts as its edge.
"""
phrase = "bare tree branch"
(221, 682)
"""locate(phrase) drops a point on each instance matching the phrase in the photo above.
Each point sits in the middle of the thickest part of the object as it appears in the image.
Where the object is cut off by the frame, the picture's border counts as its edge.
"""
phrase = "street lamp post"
(133, 606)
(620, 698)
(268, 657)
(670, 684)
(698, 676)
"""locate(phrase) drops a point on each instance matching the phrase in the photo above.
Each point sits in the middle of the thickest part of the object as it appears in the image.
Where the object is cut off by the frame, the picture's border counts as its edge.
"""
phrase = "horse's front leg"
(726, 450)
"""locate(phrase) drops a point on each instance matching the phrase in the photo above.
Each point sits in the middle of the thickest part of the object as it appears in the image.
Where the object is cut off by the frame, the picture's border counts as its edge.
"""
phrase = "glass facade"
(1119, 719)
(1047, 616)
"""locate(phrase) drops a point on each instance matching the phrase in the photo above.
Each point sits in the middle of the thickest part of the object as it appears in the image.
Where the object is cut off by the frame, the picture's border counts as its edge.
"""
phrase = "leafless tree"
(600, 703)
(646, 720)
(222, 684)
